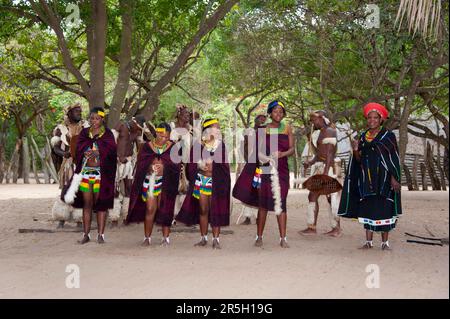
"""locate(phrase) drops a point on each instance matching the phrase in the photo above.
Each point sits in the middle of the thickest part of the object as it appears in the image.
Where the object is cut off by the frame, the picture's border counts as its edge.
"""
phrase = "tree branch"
(49, 17)
(208, 25)
(189, 94)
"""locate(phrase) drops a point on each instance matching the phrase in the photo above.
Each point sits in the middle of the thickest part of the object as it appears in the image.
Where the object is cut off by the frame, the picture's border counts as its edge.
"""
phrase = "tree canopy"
(227, 58)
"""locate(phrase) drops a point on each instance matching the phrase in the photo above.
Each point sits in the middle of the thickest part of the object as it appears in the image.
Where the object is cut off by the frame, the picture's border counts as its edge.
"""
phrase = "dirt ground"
(33, 265)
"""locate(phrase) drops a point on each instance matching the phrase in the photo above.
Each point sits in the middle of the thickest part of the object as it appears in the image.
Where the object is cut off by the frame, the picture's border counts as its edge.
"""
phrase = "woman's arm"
(356, 149)
(291, 149)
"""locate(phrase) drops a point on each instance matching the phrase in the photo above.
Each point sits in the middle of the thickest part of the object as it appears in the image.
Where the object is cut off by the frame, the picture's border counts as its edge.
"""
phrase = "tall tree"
(175, 29)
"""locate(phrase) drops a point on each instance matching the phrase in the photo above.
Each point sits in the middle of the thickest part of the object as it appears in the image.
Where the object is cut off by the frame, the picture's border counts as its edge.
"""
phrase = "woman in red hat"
(372, 186)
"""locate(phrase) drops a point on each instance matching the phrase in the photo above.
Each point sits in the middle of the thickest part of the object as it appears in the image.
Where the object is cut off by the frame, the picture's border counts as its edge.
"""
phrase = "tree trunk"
(19, 172)
(2, 165)
(403, 130)
(97, 48)
(45, 163)
(435, 184)
(438, 161)
(235, 146)
(16, 164)
(446, 161)
(414, 172)
(441, 174)
(13, 163)
(33, 163)
(125, 63)
(409, 181)
(150, 106)
(132, 111)
(423, 173)
(3, 135)
(46, 173)
(49, 161)
(25, 161)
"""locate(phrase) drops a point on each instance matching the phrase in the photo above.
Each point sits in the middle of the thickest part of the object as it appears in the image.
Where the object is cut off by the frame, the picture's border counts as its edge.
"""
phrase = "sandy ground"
(34, 265)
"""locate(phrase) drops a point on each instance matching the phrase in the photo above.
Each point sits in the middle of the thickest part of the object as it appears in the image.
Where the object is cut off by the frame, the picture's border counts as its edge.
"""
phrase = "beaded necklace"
(160, 148)
(100, 134)
(370, 137)
(281, 129)
(211, 147)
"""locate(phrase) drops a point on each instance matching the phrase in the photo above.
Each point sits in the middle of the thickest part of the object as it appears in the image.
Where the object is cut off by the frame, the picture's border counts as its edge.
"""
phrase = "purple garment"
(219, 212)
(266, 200)
(169, 188)
(243, 189)
(108, 163)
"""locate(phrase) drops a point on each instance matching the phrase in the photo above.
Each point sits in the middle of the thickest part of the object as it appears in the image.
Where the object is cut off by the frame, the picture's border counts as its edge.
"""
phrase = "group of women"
(371, 190)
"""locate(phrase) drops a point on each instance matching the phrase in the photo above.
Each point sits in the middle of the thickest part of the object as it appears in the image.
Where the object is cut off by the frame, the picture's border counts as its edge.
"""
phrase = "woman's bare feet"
(146, 242)
(165, 242)
(367, 245)
(202, 243)
(258, 242)
(101, 239)
(85, 239)
(216, 244)
(308, 231)
(283, 243)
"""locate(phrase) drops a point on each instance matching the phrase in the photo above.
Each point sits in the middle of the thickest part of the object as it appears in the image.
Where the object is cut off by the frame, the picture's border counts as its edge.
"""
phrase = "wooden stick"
(43, 230)
(51, 231)
(173, 230)
(423, 242)
(310, 141)
(195, 230)
(428, 238)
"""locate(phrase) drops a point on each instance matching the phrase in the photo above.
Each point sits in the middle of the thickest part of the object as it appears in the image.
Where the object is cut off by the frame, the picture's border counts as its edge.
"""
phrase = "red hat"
(380, 109)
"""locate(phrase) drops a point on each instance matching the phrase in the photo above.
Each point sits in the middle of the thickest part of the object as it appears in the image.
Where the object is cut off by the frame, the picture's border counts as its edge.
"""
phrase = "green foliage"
(312, 54)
